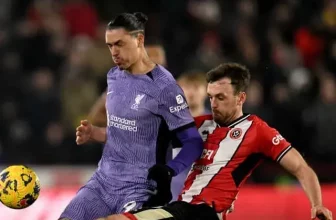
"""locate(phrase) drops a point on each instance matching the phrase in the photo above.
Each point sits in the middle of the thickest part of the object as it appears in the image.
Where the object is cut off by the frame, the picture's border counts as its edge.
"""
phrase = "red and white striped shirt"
(230, 154)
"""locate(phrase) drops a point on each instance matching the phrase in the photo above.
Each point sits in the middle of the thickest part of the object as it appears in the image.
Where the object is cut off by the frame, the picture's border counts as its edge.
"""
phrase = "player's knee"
(114, 217)
(117, 217)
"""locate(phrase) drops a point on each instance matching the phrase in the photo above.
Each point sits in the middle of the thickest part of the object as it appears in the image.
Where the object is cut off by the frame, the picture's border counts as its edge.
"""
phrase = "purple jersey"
(142, 110)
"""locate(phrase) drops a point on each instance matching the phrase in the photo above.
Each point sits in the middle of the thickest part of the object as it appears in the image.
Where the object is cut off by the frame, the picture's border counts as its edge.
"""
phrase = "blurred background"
(53, 65)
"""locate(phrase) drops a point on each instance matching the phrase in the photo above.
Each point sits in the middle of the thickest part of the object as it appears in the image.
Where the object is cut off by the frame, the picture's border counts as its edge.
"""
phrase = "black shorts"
(175, 211)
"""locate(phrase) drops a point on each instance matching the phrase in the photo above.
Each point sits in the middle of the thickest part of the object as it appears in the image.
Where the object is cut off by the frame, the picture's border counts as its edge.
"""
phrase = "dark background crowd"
(53, 65)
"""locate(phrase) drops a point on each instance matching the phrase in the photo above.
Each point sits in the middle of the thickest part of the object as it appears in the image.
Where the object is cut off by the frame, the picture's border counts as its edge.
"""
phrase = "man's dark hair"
(240, 76)
(130, 22)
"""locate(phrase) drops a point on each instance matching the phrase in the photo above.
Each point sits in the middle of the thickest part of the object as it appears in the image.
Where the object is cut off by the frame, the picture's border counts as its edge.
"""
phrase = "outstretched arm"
(295, 164)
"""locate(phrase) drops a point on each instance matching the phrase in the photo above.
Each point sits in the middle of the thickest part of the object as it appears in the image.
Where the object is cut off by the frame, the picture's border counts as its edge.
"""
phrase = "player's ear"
(141, 40)
(241, 98)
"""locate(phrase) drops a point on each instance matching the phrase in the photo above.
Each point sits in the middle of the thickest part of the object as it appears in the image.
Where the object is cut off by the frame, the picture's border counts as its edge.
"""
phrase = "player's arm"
(273, 145)
(192, 147)
(87, 132)
(97, 115)
(175, 112)
(296, 165)
(98, 134)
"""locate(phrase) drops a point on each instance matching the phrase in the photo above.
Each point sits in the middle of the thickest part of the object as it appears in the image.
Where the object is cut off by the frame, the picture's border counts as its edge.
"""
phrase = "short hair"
(193, 77)
(130, 22)
(240, 76)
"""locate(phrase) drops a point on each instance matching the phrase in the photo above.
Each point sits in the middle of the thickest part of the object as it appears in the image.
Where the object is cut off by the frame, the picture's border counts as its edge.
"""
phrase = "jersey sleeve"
(174, 108)
(199, 120)
(272, 144)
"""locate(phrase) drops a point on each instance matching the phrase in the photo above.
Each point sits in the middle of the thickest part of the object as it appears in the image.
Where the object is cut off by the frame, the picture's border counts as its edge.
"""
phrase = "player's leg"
(114, 217)
(142, 214)
(185, 211)
(132, 200)
(145, 214)
(86, 205)
(176, 210)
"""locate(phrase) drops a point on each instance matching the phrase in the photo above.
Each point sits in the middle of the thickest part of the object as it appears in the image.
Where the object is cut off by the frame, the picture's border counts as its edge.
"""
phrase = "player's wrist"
(161, 173)
(91, 134)
(317, 205)
(172, 166)
(171, 171)
(97, 134)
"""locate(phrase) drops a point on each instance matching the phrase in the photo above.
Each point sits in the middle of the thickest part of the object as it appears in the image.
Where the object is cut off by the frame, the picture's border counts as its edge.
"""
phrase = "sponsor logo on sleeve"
(179, 99)
(178, 108)
(277, 139)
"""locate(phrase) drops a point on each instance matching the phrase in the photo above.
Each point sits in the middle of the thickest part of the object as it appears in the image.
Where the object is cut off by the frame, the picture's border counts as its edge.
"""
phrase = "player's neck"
(237, 115)
(142, 66)
(232, 119)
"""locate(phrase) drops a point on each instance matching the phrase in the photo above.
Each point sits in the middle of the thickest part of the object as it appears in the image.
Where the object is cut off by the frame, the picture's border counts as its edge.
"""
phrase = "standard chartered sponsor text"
(122, 123)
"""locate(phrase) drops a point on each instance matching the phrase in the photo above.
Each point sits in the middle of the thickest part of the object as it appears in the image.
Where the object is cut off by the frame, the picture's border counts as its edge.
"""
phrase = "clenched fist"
(83, 132)
(321, 213)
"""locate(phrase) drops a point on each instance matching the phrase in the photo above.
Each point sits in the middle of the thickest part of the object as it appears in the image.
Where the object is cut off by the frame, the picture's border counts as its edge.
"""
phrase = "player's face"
(225, 102)
(124, 48)
(156, 54)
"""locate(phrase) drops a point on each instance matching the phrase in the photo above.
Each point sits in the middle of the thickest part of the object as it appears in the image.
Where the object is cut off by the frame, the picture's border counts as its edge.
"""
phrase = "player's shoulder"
(199, 120)
(259, 123)
(113, 71)
(162, 77)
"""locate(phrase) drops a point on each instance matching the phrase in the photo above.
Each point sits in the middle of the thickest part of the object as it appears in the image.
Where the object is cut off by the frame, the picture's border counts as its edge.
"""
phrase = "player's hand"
(162, 175)
(320, 212)
(83, 132)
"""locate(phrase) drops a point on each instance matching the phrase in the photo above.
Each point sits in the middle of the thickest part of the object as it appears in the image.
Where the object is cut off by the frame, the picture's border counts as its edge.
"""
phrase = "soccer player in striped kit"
(234, 144)
(145, 110)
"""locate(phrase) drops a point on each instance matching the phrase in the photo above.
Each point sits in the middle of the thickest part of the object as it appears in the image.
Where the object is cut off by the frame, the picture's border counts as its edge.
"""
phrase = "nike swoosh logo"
(109, 92)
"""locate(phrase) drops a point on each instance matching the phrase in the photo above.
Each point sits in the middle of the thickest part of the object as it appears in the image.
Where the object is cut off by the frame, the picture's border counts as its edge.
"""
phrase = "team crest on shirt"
(236, 133)
(137, 101)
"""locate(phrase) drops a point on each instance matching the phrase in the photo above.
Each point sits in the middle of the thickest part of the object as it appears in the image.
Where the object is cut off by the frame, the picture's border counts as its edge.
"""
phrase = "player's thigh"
(132, 202)
(86, 205)
(146, 214)
(176, 210)
(185, 211)
(114, 217)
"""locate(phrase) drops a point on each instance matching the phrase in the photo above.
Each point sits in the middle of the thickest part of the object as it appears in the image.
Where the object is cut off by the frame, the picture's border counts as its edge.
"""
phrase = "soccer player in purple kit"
(146, 109)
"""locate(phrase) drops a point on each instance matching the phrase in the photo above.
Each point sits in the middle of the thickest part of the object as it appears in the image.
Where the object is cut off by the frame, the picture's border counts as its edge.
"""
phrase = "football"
(19, 187)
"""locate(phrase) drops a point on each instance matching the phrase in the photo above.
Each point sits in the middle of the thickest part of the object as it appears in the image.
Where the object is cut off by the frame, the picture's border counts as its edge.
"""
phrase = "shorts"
(176, 211)
(95, 201)
(86, 205)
